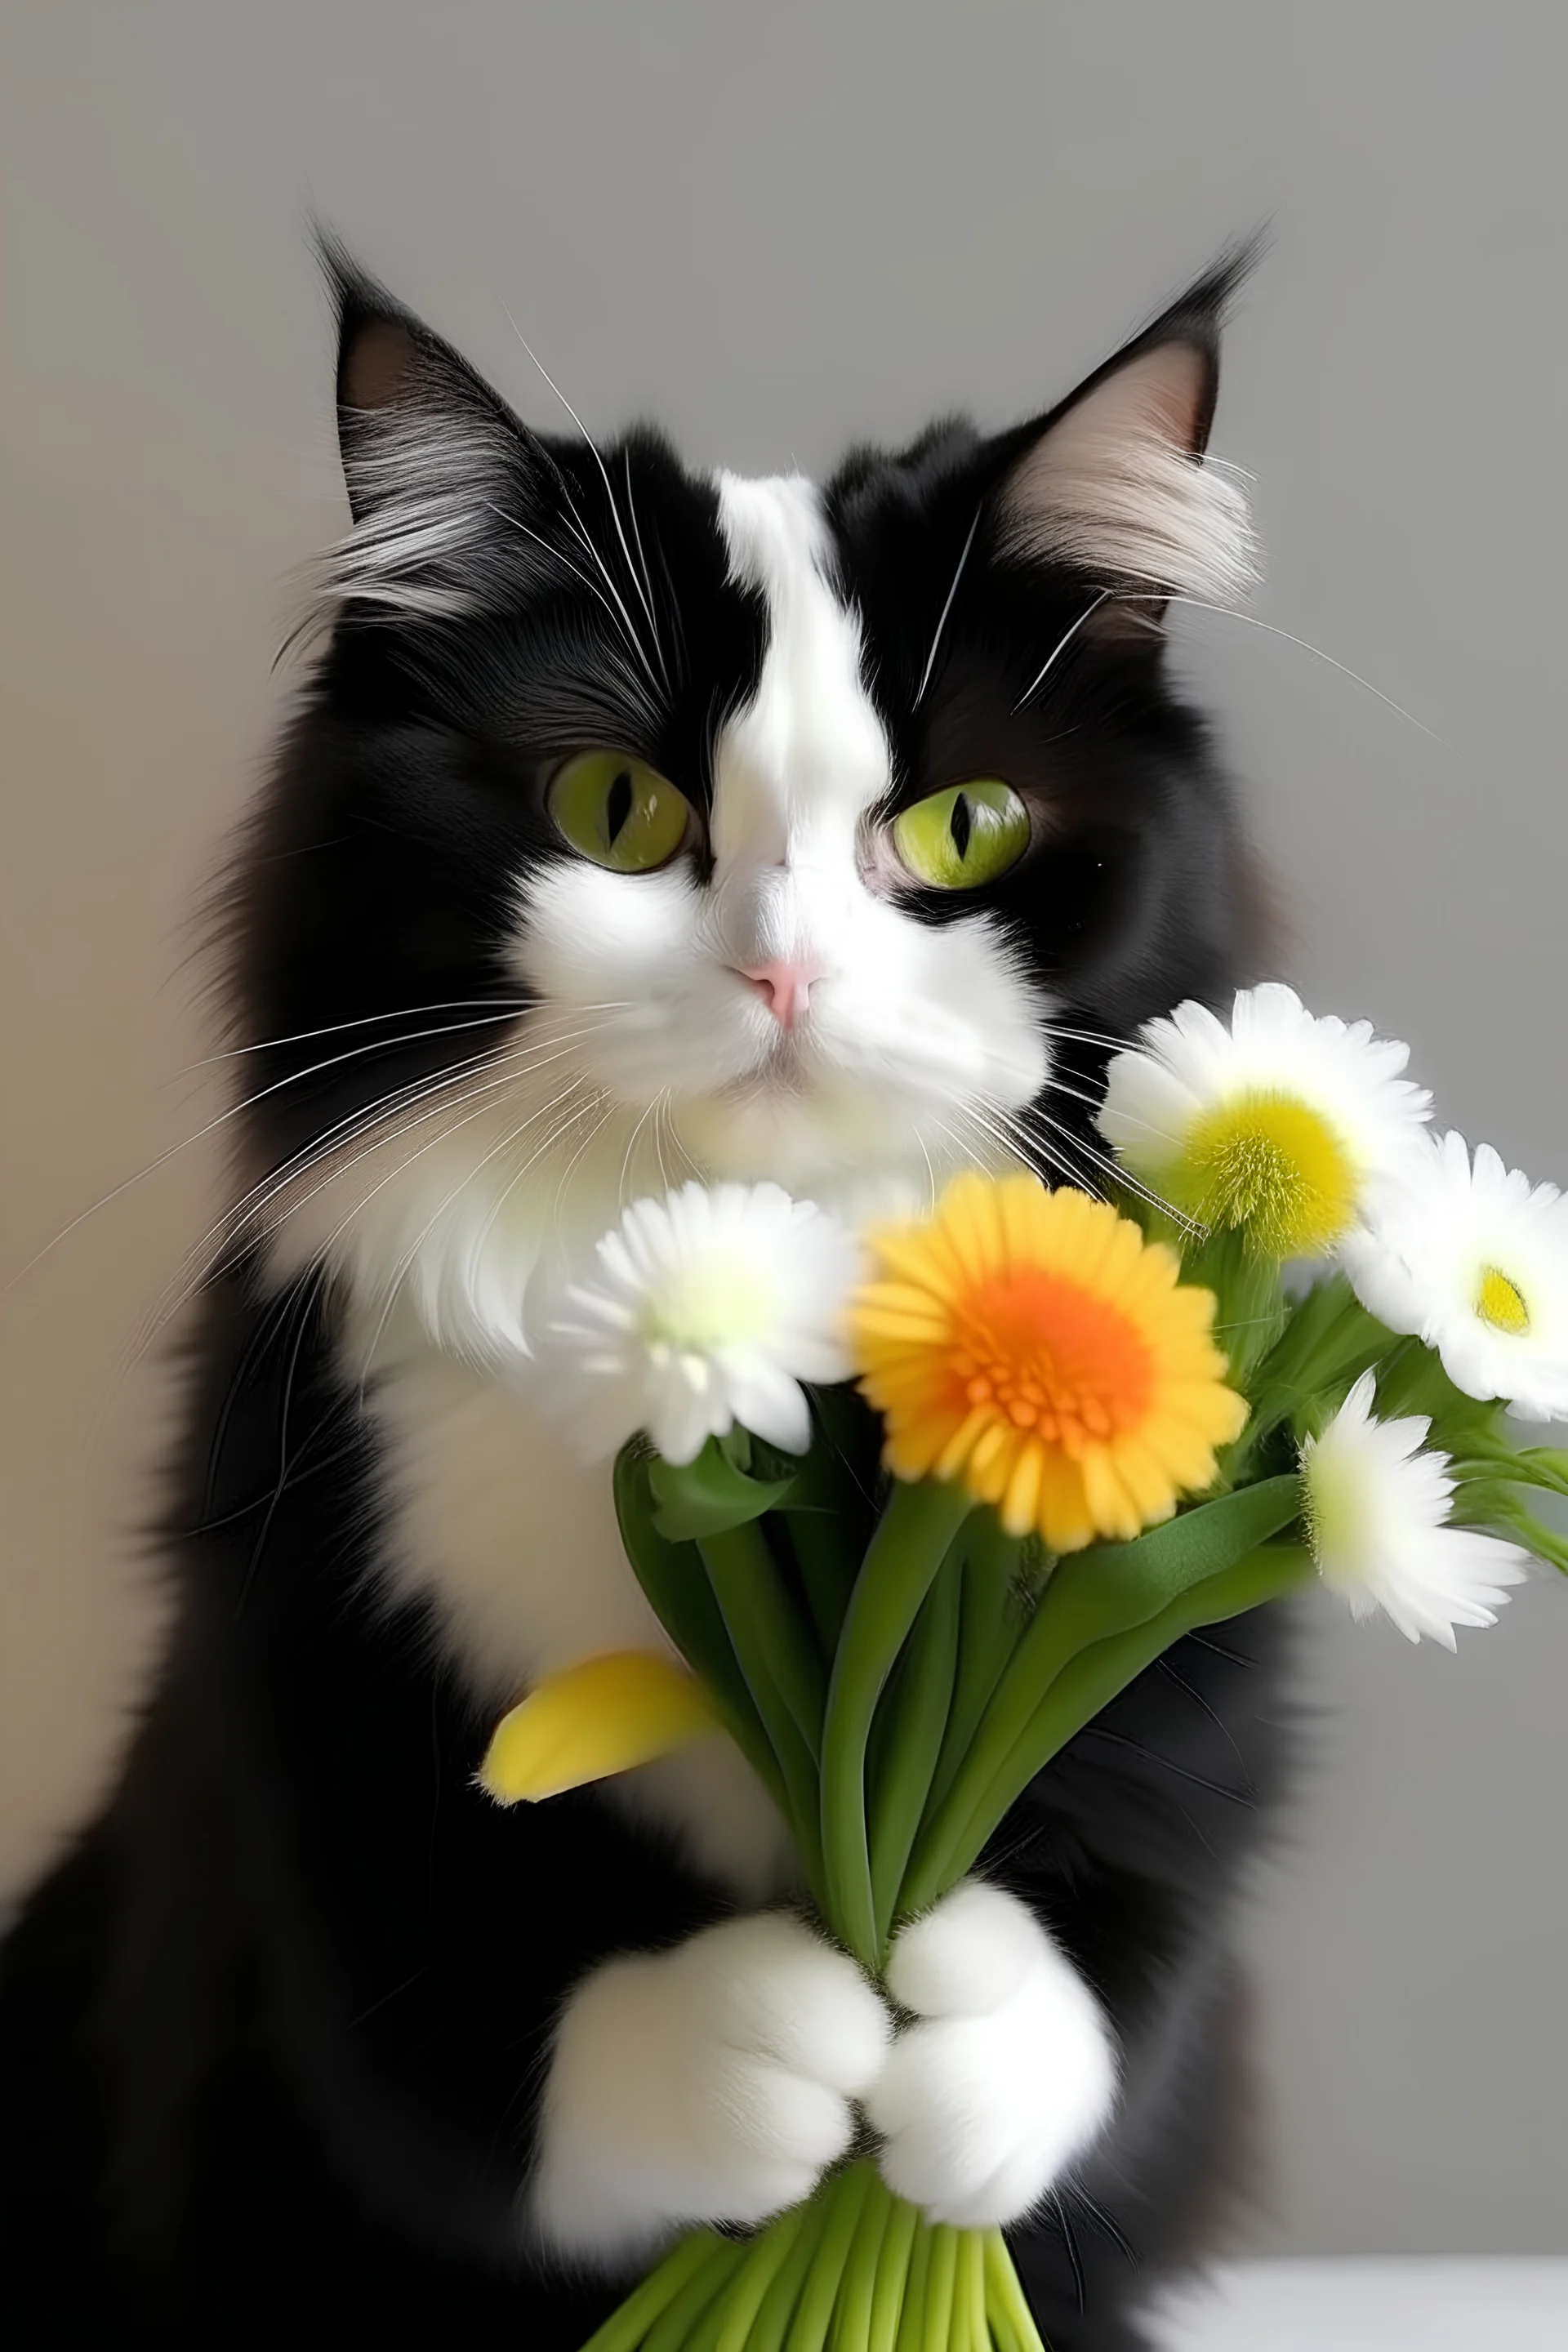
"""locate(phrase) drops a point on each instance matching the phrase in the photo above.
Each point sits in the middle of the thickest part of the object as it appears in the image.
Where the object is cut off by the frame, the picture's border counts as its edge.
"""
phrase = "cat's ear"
(1114, 480)
(434, 460)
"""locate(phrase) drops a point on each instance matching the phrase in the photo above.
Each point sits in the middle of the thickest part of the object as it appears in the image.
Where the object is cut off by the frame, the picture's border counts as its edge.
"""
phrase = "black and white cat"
(306, 2029)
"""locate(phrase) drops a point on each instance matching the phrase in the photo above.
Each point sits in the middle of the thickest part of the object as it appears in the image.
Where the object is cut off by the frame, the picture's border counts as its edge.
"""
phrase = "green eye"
(956, 839)
(618, 811)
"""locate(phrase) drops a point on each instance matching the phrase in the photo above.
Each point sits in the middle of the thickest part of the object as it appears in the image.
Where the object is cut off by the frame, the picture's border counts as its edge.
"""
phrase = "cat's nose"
(783, 985)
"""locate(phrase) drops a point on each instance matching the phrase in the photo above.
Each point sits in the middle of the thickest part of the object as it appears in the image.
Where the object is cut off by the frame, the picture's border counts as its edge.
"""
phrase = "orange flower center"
(1049, 1356)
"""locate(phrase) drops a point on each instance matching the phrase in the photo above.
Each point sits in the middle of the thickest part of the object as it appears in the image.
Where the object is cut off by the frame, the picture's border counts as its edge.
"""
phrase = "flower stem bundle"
(1077, 1431)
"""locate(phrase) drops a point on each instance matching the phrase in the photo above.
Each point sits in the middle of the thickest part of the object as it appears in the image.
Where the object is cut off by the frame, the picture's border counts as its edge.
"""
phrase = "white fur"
(518, 1545)
(426, 481)
(712, 2082)
(912, 1032)
(450, 1226)
(1114, 488)
(651, 1055)
(1008, 2072)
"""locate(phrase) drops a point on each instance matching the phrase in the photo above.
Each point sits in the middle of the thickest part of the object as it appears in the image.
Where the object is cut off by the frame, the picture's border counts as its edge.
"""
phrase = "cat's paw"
(1008, 2071)
(712, 2082)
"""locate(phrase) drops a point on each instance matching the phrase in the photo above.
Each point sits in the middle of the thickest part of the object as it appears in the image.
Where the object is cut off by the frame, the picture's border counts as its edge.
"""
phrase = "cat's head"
(640, 819)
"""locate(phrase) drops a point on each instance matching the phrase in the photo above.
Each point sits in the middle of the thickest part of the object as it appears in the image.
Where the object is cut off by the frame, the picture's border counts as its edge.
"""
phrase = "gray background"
(776, 229)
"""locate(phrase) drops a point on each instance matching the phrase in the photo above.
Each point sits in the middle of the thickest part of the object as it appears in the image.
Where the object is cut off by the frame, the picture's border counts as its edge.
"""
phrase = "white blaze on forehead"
(797, 767)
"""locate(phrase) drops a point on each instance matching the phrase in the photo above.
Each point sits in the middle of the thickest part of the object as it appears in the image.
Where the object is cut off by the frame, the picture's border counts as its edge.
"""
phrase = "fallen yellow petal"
(605, 1715)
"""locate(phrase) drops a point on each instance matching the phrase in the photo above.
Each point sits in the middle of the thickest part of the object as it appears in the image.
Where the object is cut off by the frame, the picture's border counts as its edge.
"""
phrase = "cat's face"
(775, 984)
(640, 822)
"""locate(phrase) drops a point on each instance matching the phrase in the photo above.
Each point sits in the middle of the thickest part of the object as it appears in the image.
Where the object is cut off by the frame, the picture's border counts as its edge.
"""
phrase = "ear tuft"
(1114, 480)
(433, 460)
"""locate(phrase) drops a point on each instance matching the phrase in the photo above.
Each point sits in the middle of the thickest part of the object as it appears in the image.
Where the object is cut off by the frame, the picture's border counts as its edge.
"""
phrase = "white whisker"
(335, 1028)
(947, 607)
(1127, 596)
(1060, 646)
(369, 1121)
(609, 490)
(470, 1176)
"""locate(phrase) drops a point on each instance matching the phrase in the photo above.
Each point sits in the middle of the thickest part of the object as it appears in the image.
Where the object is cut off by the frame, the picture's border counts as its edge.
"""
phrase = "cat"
(581, 871)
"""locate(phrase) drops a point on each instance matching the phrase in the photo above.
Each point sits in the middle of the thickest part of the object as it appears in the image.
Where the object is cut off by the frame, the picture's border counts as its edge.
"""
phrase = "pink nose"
(784, 987)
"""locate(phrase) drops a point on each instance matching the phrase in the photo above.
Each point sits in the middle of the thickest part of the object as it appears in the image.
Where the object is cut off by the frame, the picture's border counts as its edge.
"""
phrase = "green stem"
(844, 2196)
(1326, 1324)
(989, 1626)
(909, 1546)
(826, 1565)
(746, 1592)
(778, 2307)
(1329, 1338)
(911, 2316)
(828, 1511)
(1544, 1467)
(1004, 2297)
(969, 2293)
(672, 2331)
(893, 2275)
(763, 2264)
(627, 2327)
(682, 1600)
(1085, 1684)
(920, 1699)
(750, 1590)
(852, 2321)
(1107, 1590)
(940, 2283)
(1251, 1314)
(1548, 1547)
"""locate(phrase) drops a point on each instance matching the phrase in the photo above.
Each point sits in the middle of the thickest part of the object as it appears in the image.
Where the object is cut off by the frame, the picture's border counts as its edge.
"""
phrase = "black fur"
(271, 2037)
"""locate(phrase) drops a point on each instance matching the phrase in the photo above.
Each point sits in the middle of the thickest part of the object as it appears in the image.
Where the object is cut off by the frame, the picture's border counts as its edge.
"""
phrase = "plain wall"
(777, 229)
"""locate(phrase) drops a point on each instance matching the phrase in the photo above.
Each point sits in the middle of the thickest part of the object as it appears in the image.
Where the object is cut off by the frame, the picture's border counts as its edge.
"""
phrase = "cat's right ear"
(436, 464)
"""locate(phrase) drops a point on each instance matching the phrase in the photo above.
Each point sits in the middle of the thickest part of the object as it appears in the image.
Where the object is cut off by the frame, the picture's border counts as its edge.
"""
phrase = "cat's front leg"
(1007, 2071)
(710, 2083)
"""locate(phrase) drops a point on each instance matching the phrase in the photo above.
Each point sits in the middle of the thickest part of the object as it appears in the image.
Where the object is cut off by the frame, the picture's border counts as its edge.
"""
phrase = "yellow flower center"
(1501, 1303)
(1334, 1494)
(707, 1306)
(1272, 1166)
(1049, 1356)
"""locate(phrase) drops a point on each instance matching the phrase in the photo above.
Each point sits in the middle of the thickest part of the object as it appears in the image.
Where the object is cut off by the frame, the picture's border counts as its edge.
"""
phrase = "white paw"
(712, 2082)
(1008, 2072)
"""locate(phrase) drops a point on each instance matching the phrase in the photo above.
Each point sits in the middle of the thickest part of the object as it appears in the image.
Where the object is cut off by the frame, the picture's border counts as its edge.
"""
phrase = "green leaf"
(676, 1582)
(1544, 1467)
(1548, 1547)
(709, 1497)
(994, 1611)
(1088, 1683)
(1113, 1586)
(919, 1702)
(1093, 1595)
(917, 1530)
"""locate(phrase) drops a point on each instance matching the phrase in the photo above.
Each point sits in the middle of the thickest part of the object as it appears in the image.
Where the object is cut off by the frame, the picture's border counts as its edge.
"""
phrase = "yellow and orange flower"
(1034, 1346)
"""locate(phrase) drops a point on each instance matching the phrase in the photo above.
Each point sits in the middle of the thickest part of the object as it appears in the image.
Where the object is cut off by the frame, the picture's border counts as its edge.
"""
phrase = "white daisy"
(1473, 1259)
(1273, 1122)
(709, 1309)
(1377, 1509)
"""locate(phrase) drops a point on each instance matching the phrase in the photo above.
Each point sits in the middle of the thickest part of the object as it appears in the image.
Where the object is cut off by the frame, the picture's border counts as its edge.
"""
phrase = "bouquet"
(914, 1504)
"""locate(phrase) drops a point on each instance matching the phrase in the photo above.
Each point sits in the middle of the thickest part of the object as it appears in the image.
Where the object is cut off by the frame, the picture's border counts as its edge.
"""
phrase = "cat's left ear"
(1113, 481)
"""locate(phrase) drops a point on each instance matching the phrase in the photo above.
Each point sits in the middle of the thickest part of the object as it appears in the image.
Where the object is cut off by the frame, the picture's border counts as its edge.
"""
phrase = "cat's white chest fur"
(495, 1520)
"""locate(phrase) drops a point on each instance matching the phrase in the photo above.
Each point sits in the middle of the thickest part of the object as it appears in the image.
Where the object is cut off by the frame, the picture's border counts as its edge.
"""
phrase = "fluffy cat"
(582, 869)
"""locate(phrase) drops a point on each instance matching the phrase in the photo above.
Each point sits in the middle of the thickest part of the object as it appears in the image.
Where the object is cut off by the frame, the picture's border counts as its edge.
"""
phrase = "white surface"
(1374, 2305)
